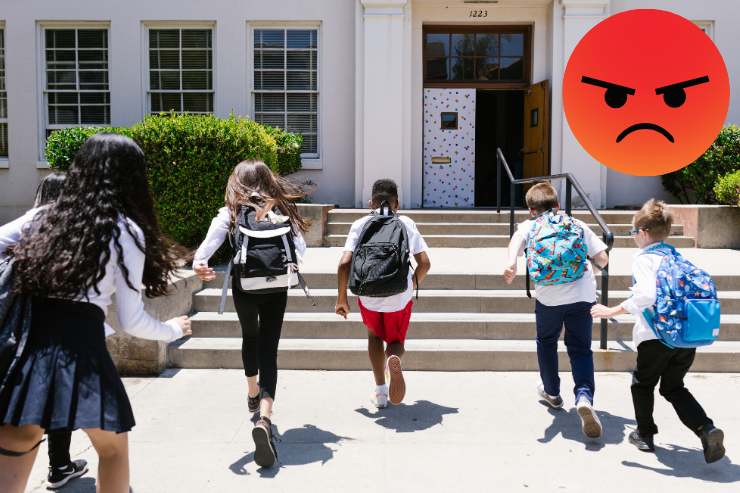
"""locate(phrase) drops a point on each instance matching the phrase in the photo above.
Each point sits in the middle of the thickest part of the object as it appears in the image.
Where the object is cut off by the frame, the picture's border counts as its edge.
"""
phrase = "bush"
(695, 183)
(189, 159)
(727, 189)
(288, 150)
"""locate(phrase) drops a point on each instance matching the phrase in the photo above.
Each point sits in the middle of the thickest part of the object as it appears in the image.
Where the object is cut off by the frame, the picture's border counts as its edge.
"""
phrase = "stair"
(487, 229)
(466, 318)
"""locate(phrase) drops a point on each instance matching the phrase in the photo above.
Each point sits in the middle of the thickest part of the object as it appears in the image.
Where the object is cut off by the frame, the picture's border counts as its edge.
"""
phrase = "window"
(707, 27)
(181, 70)
(3, 101)
(473, 56)
(77, 90)
(286, 92)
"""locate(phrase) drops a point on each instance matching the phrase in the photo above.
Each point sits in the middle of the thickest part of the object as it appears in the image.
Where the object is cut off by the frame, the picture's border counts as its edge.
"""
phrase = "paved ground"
(456, 432)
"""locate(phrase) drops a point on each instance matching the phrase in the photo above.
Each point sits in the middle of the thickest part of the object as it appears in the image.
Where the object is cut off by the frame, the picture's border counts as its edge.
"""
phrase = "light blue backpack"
(556, 250)
(686, 313)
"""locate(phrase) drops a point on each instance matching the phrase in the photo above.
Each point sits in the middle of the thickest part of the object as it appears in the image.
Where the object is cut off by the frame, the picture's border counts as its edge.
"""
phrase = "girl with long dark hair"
(253, 185)
(100, 237)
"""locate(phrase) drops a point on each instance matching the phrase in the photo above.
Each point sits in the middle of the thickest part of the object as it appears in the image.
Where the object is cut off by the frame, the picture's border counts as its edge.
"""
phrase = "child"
(655, 360)
(253, 185)
(567, 302)
(100, 237)
(386, 318)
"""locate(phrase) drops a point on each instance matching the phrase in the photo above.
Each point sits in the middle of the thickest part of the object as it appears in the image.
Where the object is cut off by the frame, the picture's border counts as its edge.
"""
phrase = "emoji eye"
(615, 97)
(674, 97)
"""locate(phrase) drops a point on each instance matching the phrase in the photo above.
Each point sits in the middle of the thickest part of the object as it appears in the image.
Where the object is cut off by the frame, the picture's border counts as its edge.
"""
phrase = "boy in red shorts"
(386, 318)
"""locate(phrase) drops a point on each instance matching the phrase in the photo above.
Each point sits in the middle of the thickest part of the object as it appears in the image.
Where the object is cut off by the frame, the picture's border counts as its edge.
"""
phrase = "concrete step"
(431, 300)
(424, 325)
(328, 280)
(460, 228)
(430, 354)
(493, 241)
(477, 215)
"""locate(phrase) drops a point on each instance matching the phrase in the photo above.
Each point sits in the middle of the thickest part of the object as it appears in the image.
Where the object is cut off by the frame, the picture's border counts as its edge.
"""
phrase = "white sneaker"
(590, 424)
(554, 401)
(380, 399)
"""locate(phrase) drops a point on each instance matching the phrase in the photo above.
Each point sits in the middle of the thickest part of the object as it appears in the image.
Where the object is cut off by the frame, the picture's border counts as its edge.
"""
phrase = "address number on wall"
(478, 13)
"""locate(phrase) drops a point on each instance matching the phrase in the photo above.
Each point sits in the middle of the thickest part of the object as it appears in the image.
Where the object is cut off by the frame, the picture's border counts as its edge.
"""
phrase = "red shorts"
(389, 326)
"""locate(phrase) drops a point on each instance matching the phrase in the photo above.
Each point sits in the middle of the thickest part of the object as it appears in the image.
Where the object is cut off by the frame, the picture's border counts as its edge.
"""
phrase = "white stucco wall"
(232, 75)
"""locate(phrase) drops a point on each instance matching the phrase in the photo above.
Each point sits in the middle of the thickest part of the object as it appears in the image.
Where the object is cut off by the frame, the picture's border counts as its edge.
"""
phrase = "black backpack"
(15, 322)
(381, 260)
(264, 258)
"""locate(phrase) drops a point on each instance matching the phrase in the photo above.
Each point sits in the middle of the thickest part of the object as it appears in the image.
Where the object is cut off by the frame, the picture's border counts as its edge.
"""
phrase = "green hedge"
(190, 158)
(695, 183)
(727, 189)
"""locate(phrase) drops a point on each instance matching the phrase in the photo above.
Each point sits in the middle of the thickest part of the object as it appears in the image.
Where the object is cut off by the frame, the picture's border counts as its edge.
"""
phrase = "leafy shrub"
(695, 183)
(727, 189)
(189, 159)
(288, 149)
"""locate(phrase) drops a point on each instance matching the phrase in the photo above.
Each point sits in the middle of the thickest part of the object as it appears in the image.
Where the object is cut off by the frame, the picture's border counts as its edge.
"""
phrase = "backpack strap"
(225, 289)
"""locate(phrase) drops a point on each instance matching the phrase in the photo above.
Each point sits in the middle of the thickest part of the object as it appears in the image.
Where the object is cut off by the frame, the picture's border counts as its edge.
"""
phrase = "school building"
(422, 91)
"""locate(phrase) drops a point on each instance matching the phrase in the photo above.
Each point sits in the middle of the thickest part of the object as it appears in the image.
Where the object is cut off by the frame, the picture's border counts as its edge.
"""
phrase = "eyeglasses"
(636, 231)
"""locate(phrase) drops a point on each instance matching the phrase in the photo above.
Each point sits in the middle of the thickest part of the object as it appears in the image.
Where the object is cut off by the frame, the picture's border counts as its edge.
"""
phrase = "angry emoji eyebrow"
(606, 85)
(682, 85)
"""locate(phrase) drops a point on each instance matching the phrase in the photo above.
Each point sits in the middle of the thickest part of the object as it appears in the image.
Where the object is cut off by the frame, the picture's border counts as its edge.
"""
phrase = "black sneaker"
(253, 403)
(59, 477)
(265, 454)
(711, 442)
(644, 443)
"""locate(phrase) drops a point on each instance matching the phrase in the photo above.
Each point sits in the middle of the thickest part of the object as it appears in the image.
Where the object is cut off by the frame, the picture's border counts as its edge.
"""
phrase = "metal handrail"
(570, 183)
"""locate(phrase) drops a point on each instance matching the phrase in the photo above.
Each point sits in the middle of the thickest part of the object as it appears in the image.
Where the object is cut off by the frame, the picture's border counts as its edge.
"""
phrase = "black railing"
(570, 184)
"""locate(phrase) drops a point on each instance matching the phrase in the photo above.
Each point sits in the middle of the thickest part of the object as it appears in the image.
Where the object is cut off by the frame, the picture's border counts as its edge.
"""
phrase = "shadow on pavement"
(568, 424)
(295, 447)
(683, 462)
(403, 418)
(81, 485)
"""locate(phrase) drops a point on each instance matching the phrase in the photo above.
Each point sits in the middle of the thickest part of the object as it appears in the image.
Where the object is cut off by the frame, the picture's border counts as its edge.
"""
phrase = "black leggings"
(261, 319)
(59, 442)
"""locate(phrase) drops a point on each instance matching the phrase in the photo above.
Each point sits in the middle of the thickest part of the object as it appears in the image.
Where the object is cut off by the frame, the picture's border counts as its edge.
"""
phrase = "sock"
(382, 389)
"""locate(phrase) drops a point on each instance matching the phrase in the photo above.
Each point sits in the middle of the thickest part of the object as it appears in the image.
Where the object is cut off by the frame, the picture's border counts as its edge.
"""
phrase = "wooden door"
(536, 151)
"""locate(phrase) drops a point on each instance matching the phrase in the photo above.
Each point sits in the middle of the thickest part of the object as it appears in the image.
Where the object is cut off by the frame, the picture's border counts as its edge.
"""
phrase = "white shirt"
(396, 302)
(581, 290)
(218, 230)
(129, 304)
(645, 272)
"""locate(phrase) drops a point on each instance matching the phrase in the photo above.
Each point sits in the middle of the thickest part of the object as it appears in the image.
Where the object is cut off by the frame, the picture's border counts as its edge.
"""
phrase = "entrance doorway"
(499, 122)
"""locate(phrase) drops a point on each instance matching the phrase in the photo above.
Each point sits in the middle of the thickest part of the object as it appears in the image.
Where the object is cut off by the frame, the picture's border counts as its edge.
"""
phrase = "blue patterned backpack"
(556, 250)
(686, 313)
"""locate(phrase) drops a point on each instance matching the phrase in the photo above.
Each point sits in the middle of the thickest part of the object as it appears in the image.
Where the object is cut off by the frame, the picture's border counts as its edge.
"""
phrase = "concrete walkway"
(471, 432)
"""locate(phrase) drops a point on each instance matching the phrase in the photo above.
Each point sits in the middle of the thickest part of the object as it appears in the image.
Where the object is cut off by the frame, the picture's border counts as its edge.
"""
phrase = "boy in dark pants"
(565, 304)
(656, 362)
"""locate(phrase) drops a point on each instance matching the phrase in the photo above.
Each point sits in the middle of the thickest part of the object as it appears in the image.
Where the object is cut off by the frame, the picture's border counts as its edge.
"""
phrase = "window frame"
(4, 160)
(146, 26)
(707, 26)
(308, 161)
(527, 55)
(43, 113)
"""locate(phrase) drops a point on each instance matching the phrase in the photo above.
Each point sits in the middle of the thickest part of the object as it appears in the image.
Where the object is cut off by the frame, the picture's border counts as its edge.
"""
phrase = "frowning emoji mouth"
(645, 126)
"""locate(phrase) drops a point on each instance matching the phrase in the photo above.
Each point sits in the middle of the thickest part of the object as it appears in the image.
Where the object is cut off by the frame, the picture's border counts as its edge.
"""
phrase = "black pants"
(261, 319)
(656, 361)
(59, 442)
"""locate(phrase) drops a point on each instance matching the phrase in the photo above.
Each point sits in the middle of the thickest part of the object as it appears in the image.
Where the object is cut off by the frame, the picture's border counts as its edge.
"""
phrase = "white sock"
(382, 389)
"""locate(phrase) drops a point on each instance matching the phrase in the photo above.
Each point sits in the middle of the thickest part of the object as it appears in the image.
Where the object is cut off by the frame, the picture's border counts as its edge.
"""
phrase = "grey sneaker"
(590, 423)
(554, 401)
(712, 442)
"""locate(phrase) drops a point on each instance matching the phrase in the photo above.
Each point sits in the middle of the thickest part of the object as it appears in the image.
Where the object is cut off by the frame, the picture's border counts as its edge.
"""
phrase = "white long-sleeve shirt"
(218, 230)
(132, 317)
(645, 272)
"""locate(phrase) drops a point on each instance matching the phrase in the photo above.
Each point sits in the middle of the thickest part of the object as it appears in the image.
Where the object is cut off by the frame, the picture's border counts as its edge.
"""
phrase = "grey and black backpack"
(382, 259)
(264, 258)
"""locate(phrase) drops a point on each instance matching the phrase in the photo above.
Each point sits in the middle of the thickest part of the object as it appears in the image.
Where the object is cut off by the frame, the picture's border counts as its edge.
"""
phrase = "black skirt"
(66, 379)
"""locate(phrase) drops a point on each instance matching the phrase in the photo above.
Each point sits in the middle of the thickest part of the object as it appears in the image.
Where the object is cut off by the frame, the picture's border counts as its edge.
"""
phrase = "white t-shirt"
(644, 272)
(582, 290)
(132, 317)
(397, 302)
